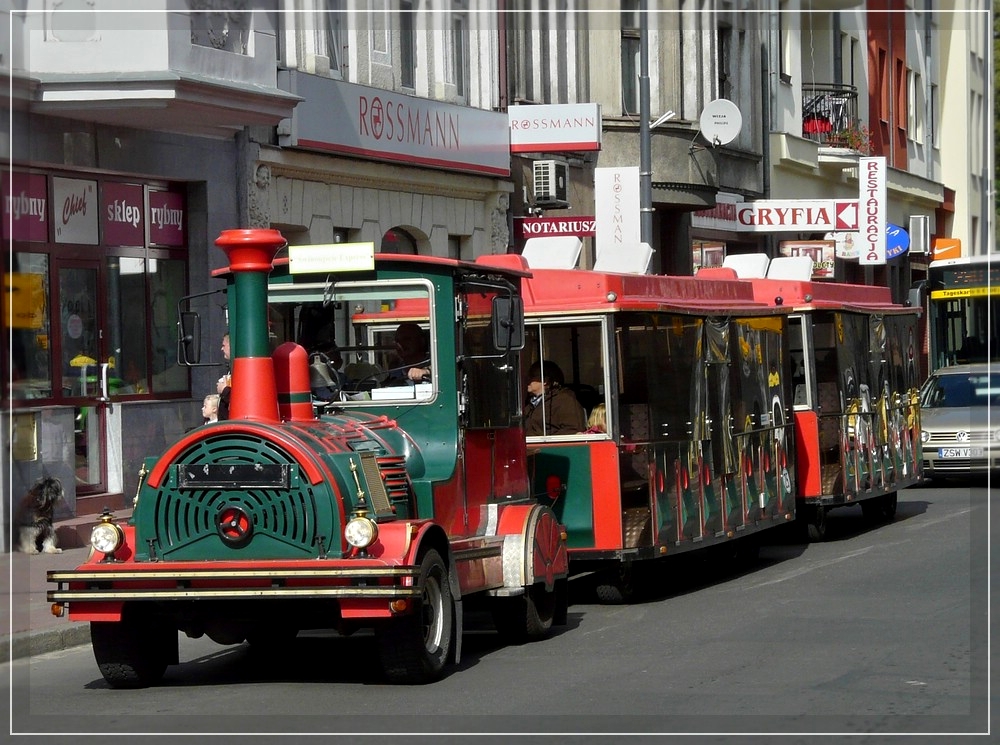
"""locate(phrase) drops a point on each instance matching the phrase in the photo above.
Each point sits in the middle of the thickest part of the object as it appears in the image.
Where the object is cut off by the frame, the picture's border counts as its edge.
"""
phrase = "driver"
(414, 358)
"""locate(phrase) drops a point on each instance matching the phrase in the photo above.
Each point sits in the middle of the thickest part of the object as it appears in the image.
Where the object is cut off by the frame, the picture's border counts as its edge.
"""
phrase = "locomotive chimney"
(250, 254)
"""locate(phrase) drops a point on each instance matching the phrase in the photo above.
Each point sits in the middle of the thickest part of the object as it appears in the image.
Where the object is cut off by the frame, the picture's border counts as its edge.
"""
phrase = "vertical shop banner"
(616, 217)
(872, 209)
(166, 218)
(25, 207)
(23, 301)
(122, 215)
(75, 203)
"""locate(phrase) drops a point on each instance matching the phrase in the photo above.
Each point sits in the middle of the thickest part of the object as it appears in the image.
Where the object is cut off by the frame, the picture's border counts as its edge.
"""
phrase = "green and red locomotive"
(385, 506)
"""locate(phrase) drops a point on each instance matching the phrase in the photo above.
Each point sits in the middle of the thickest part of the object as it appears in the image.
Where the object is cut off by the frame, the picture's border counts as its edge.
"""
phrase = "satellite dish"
(720, 122)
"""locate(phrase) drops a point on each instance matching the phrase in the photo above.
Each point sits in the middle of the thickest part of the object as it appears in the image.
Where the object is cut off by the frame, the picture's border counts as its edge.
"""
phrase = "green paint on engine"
(219, 521)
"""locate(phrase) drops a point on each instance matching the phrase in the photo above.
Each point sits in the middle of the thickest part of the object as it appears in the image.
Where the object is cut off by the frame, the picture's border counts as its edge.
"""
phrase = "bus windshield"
(964, 311)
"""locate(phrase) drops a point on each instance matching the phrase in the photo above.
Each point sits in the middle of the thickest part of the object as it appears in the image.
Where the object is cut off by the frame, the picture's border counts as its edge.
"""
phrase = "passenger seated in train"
(552, 409)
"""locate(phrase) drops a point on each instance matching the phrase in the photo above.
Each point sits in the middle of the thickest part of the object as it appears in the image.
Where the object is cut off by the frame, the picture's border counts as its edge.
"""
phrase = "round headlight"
(361, 532)
(924, 435)
(106, 538)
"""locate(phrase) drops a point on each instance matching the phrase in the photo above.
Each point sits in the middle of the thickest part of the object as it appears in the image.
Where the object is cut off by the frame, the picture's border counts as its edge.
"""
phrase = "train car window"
(579, 350)
(802, 357)
(356, 329)
(654, 352)
(489, 374)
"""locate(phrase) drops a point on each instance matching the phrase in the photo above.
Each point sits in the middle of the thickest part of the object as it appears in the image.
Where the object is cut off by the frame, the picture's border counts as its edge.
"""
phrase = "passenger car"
(958, 434)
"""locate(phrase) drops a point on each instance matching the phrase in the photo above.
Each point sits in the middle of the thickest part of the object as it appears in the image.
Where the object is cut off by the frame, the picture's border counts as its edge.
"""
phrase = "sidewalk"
(29, 628)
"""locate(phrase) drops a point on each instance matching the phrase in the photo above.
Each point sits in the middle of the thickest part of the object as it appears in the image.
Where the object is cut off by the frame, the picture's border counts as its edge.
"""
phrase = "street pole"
(645, 165)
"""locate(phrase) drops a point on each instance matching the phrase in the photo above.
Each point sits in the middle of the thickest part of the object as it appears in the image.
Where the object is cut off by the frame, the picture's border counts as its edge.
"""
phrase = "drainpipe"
(645, 165)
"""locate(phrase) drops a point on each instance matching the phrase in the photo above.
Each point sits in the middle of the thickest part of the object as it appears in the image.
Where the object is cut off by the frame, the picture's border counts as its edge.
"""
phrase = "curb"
(29, 644)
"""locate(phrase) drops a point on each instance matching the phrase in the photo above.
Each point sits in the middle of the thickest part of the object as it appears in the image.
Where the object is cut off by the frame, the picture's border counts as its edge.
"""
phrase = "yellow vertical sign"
(23, 301)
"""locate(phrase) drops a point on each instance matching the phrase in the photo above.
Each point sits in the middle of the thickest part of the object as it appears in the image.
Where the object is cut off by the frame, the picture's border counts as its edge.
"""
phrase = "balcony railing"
(830, 116)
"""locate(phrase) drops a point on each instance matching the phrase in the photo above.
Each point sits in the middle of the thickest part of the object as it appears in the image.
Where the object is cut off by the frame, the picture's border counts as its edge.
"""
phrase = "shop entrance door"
(80, 351)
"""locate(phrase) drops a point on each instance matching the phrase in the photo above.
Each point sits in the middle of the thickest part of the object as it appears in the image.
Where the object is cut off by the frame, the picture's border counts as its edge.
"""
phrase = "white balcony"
(205, 74)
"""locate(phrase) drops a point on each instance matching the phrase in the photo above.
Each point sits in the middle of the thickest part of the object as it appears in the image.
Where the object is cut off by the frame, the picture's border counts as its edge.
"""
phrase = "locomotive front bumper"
(118, 584)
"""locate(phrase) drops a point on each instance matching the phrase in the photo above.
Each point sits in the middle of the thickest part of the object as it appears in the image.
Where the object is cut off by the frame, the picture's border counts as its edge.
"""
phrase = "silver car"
(959, 435)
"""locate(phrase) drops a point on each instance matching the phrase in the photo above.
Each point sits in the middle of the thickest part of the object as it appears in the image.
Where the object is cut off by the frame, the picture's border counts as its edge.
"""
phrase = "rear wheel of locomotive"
(528, 616)
(414, 648)
(133, 652)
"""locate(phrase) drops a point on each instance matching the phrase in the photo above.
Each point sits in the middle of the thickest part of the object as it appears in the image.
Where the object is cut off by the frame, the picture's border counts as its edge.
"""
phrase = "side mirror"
(508, 323)
(189, 338)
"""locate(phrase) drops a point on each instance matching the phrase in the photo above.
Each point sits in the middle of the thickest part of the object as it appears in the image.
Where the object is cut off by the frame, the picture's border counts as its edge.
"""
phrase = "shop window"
(166, 287)
(26, 318)
(127, 325)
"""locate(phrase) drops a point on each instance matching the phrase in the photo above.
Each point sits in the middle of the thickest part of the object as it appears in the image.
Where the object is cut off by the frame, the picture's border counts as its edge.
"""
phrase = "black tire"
(615, 586)
(414, 648)
(133, 652)
(816, 523)
(872, 510)
(889, 502)
(748, 550)
(524, 617)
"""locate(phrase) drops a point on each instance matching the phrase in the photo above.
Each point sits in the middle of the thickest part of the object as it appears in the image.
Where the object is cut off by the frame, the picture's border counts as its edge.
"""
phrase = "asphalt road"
(878, 630)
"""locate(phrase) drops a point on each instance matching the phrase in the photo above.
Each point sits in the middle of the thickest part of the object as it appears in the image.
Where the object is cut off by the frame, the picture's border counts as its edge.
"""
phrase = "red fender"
(544, 555)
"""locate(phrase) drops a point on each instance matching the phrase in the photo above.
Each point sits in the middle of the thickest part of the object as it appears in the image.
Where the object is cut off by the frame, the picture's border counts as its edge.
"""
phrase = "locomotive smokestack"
(250, 254)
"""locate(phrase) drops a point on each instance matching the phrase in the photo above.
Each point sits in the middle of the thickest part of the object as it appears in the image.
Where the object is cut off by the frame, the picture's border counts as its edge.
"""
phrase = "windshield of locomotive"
(365, 342)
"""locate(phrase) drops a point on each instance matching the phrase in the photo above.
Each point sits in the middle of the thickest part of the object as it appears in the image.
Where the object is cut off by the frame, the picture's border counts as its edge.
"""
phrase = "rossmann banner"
(350, 119)
(554, 128)
(871, 210)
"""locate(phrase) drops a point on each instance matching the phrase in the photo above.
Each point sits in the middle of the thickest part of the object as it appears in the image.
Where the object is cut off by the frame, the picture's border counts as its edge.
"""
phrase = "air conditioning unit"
(920, 237)
(550, 179)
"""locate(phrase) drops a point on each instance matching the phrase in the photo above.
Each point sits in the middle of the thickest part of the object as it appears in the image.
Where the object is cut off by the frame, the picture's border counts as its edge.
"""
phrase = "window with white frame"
(407, 44)
(378, 23)
(934, 116)
(915, 103)
(630, 56)
(460, 51)
(333, 25)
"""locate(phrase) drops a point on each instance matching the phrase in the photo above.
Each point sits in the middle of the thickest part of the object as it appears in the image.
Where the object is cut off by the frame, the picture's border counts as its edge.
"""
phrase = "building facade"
(137, 138)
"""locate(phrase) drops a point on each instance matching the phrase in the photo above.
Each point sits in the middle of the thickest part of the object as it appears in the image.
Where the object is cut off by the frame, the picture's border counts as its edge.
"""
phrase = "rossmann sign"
(554, 128)
(351, 119)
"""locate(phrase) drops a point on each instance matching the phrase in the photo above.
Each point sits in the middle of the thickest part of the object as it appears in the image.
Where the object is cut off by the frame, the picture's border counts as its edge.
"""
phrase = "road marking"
(804, 570)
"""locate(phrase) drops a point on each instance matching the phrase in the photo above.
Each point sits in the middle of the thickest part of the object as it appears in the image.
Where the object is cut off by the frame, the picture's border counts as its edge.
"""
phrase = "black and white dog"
(34, 518)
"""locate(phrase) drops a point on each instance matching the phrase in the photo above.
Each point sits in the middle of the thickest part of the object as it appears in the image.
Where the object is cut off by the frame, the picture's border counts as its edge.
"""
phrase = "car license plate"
(960, 452)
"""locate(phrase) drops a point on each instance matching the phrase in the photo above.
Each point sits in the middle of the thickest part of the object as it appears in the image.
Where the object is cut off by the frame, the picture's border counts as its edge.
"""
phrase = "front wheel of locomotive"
(133, 652)
(414, 648)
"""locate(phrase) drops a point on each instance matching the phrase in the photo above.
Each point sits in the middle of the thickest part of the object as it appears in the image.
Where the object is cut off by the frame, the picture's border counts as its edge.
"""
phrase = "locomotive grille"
(397, 482)
(182, 517)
